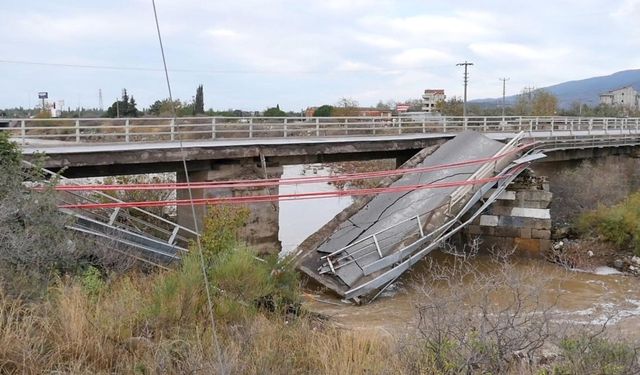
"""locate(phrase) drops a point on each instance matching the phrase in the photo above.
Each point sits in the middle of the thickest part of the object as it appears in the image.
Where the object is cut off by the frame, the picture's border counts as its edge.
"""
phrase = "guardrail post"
(213, 128)
(552, 126)
(444, 125)
(23, 132)
(285, 128)
(346, 126)
(373, 126)
(520, 124)
(173, 132)
(606, 126)
(423, 125)
(251, 128)
(464, 123)
(318, 127)
(484, 124)
(590, 126)
(399, 125)
(77, 131)
(126, 130)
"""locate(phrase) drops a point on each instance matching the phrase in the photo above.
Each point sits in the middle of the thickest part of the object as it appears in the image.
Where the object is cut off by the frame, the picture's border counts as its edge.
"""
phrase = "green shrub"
(619, 224)
(241, 283)
(588, 355)
(92, 281)
(221, 228)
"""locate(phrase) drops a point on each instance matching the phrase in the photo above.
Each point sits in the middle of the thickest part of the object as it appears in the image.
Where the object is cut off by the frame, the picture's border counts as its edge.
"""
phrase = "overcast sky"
(254, 54)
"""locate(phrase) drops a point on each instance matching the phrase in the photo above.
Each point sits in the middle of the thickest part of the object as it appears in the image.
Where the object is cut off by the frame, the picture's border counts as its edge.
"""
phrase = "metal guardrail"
(156, 237)
(135, 130)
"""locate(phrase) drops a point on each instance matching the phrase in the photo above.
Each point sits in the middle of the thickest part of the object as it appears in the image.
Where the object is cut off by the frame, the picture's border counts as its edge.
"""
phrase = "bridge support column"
(520, 218)
(261, 229)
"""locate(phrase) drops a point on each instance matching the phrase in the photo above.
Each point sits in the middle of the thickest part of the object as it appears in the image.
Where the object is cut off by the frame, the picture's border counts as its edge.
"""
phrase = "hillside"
(584, 91)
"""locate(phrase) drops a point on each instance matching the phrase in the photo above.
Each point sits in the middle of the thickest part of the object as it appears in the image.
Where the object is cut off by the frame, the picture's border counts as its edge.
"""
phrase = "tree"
(198, 103)
(274, 112)
(164, 107)
(323, 111)
(451, 107)
(544, 103)
(125, 107)
(346, 107)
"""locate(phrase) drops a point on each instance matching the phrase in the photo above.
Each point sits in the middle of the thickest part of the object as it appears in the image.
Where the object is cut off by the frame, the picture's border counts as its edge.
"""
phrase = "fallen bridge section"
(133, 231)
(378, 239)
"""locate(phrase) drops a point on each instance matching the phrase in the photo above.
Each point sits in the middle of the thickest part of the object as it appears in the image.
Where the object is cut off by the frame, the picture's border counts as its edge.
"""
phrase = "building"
(626, 97)
(373, 112)
(430, 99)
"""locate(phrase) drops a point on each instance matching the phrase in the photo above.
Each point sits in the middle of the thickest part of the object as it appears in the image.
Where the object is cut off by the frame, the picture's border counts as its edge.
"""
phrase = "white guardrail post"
(23, 132)
(213, 128)
(173, 130)
(317, 127)
(126, 131)
(77, 126)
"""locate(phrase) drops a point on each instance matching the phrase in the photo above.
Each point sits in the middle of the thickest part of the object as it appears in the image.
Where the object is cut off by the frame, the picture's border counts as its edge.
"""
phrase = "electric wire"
(282, 197)
(286, 181)
(214, 334)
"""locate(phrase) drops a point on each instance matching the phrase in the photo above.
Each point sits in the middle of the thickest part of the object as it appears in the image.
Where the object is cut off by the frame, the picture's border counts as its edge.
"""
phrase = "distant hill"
(585, 91)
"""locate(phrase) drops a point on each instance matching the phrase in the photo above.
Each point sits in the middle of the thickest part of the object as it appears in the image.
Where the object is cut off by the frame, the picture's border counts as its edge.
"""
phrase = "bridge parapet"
(139, 130)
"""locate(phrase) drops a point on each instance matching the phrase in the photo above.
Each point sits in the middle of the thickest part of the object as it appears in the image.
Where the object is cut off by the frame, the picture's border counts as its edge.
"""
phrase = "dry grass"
(76, 333)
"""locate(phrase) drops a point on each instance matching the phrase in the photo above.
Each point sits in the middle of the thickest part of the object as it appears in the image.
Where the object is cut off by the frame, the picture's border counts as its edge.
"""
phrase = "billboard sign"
(43, 95)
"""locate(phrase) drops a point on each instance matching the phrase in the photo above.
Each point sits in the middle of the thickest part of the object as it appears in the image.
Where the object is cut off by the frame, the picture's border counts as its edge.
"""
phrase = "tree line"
(528, 103)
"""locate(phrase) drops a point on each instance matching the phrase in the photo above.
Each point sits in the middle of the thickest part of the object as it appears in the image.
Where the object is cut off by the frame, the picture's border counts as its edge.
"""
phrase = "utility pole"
(504, 90)
(466, 81)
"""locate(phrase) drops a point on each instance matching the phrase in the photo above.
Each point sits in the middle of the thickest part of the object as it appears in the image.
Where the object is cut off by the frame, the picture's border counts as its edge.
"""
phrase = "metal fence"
(129, 130)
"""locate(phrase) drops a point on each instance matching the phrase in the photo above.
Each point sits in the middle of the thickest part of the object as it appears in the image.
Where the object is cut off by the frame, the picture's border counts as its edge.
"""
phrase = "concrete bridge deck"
(101, 159)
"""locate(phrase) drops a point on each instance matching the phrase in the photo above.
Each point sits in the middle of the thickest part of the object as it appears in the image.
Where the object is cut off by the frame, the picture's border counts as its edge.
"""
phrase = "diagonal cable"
(214, 334)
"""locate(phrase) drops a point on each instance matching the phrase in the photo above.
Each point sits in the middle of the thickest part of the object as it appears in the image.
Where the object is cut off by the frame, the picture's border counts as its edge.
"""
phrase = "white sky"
(254, 54)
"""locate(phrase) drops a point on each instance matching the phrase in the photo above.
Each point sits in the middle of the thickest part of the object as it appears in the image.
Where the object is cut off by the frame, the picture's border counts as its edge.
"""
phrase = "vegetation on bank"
(618, 224)
(596, 207)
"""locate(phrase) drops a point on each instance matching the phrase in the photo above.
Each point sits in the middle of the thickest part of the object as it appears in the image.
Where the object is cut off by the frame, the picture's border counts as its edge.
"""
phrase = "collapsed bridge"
(373, 242)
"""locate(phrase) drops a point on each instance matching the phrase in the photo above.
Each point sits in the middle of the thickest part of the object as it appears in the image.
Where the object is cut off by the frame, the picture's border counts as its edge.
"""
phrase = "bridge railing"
(128, 130)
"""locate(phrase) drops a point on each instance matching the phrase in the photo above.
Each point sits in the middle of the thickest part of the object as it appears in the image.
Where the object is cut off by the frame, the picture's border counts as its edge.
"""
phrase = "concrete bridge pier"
(261, 229)
(520, 218)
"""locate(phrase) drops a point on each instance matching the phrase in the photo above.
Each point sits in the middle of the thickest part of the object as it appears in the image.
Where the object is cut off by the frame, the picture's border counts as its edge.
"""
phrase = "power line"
(466, 81)
(205, 278)
(215, 71)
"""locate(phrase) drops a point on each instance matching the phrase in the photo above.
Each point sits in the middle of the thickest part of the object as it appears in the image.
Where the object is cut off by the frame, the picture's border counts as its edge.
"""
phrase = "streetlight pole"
(504, 86)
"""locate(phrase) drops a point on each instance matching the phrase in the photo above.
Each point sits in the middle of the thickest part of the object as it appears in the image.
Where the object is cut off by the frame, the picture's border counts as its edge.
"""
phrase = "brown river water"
(580, 297)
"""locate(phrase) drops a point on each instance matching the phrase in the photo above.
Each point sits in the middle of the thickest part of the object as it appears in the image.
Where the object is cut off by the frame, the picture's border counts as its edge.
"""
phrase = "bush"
(619, 224)
(605, 182)
(241, 282)
(35, 245)
(597, 355)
